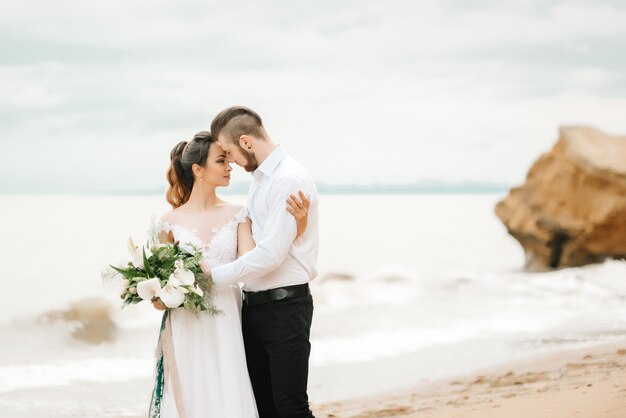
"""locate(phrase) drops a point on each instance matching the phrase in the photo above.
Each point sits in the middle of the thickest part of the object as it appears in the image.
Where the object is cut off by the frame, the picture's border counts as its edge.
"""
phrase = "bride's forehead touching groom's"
(237, 154)
(230, 147)
(216, 170)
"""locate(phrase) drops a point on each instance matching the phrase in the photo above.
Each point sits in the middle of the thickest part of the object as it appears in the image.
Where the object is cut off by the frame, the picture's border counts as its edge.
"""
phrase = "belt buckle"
(280, 294)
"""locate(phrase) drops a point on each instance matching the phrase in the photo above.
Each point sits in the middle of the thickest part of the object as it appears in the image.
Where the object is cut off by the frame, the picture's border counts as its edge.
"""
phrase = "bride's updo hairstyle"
(182, 157)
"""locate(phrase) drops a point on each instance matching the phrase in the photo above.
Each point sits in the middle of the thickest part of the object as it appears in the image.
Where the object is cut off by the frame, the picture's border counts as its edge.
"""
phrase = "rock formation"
(572, 209)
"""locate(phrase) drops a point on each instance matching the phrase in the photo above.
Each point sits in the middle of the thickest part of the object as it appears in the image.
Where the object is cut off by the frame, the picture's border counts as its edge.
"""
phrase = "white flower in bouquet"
(131, 246)
(137, 253)
(138, 257)
(172, 296)
(149, 289)
(181, 275)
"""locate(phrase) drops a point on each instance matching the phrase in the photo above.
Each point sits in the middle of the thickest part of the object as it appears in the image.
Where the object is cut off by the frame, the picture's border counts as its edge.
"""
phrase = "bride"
(204, 371)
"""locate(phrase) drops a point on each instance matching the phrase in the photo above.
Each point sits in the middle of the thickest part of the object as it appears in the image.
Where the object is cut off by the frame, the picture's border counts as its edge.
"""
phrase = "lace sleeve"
(159, 228)
(241, 216)
(161, 225)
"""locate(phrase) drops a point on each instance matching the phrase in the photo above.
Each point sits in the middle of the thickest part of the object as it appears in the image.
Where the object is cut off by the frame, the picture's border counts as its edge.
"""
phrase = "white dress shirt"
(277, 260)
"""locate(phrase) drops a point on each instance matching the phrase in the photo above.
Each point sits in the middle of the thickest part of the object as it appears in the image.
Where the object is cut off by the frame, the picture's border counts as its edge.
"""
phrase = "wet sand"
(588, 383)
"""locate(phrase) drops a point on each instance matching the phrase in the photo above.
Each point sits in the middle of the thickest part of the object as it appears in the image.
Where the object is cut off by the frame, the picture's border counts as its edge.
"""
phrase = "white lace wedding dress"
(208, 376)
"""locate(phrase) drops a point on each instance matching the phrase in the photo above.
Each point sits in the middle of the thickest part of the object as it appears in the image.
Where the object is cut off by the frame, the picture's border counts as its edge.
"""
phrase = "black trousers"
(276, 337)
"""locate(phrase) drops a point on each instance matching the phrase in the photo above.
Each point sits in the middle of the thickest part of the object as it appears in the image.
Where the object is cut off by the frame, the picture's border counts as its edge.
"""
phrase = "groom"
(277, 304)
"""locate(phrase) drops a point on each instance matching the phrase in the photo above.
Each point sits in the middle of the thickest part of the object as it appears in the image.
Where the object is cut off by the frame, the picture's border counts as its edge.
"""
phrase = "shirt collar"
(269, 165)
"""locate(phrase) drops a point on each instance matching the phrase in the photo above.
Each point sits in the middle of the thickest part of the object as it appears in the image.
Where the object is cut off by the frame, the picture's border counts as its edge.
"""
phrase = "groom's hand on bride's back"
(299, 209)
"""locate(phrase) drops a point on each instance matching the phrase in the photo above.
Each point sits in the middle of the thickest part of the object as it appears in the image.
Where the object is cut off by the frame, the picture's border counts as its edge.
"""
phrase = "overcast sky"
(94, 94)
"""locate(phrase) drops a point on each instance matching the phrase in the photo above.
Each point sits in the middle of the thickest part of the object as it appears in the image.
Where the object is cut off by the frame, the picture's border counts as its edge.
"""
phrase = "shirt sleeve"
(279, 233)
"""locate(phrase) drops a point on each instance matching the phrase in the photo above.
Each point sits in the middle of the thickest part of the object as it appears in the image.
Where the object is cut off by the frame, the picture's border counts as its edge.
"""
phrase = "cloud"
(388, 92)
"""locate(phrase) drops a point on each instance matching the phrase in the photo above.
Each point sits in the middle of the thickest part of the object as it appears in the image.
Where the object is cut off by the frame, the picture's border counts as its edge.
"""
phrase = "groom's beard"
(251, 162)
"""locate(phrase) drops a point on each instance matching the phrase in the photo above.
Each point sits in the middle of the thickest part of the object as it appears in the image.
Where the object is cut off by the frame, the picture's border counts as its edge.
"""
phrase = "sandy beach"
(581, 383)
(589, 383)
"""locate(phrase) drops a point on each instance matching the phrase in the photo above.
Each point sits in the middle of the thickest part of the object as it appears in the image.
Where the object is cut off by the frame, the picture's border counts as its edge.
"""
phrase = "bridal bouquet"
(165, 271)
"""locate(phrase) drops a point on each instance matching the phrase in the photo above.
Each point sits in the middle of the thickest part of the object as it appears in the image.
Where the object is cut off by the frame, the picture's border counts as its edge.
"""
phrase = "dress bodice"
(215, 235)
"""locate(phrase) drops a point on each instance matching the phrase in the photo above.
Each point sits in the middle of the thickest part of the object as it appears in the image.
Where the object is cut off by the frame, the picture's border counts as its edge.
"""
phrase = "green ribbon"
(157, 392)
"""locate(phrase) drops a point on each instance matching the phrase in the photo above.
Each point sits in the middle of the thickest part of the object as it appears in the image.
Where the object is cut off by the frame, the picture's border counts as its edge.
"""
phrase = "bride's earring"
(201, 178)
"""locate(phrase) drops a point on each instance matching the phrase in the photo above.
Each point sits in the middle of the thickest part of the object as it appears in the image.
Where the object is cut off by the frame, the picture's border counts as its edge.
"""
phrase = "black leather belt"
(273, 295)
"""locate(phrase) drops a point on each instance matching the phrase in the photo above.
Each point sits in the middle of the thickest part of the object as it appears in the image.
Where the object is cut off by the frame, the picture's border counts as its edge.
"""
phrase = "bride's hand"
(156, 302)
(299, 209)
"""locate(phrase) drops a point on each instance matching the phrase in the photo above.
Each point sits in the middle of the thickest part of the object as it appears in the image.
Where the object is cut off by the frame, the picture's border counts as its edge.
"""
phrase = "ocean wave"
(61, 373)
(89, 320)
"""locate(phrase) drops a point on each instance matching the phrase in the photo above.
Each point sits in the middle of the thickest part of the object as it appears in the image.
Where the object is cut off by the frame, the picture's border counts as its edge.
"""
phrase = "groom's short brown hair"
(236, 121)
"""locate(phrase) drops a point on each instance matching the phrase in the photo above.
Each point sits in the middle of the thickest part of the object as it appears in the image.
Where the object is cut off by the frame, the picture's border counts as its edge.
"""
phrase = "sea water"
(431, 278)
